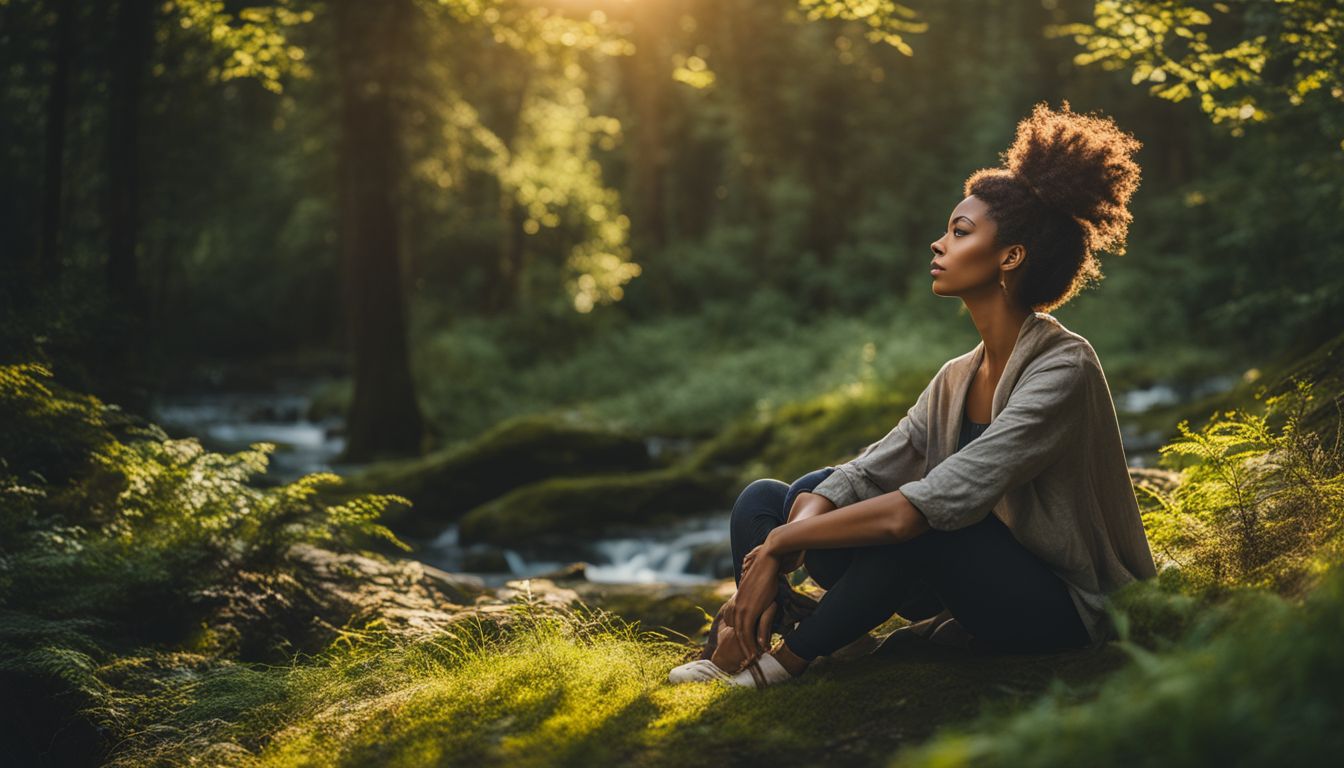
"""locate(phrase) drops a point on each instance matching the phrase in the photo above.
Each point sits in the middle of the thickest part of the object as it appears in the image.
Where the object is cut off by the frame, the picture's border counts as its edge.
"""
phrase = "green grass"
(1251, 680)
(562, 688)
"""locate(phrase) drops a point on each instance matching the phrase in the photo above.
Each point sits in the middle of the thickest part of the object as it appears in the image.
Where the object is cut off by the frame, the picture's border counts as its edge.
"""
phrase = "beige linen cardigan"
(1050, 464)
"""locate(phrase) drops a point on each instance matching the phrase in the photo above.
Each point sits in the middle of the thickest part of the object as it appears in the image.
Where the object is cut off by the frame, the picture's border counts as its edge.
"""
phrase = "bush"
(138, 540)
(1256, 505)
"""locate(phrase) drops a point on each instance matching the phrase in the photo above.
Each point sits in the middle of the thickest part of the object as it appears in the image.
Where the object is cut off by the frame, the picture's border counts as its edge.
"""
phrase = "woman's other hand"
(754, 605)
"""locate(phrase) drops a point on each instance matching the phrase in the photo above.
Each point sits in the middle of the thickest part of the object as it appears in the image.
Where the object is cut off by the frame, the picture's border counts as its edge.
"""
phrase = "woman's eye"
(956, 230)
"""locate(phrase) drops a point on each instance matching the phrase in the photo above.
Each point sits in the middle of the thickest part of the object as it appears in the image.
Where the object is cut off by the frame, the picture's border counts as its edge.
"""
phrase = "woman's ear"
(1013, 257)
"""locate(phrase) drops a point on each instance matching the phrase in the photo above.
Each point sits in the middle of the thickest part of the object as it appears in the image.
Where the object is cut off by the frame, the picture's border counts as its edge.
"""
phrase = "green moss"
(445, 484)
(676, 612)
(836, 427)
(783, 442)
(586, 505)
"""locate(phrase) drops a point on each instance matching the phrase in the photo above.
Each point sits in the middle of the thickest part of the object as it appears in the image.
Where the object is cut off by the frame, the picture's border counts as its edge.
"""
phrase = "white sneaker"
(764, 672)
(700, 670)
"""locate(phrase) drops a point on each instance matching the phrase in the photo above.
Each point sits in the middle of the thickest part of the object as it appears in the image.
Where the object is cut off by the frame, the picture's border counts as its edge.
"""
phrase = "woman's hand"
(726, 611)
(754, 607)
(785, 563)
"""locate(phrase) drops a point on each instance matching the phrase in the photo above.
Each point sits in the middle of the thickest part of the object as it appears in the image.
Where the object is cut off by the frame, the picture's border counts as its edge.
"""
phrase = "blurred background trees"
(460, 204)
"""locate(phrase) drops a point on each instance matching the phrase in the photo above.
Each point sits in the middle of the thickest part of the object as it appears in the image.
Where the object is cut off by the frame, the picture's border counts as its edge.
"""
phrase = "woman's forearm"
(884, 519)
(808, 504)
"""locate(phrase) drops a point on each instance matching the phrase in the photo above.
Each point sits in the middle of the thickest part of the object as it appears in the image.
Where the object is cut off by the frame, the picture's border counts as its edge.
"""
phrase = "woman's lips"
(936, 271)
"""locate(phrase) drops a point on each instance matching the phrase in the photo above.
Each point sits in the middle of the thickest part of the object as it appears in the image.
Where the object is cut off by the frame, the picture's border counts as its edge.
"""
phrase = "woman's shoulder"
(1077, 346)
(1064, 342)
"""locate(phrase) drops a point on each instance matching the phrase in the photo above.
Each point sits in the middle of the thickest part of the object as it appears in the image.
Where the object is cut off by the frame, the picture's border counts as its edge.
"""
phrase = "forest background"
(497, 233)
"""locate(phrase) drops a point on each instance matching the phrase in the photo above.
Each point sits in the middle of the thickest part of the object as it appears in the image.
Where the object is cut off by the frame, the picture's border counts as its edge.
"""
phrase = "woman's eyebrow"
(968, 218)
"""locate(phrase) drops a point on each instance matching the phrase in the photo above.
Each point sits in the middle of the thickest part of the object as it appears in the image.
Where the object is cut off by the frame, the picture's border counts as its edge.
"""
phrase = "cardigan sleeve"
(1044, 410)
(885, 464)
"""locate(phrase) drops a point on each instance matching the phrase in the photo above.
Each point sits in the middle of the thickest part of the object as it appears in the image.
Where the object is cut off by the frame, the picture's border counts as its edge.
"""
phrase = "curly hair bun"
(1081, 164)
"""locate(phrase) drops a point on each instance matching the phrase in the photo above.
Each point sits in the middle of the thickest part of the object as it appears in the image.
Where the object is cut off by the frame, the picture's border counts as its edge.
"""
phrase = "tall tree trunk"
(648, 77)
(134, 35)
(384, 416)
(57, 95)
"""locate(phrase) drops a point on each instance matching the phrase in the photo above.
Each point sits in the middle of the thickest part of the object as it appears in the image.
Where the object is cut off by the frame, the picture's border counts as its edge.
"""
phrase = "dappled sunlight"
(539, 694)
(380, 381)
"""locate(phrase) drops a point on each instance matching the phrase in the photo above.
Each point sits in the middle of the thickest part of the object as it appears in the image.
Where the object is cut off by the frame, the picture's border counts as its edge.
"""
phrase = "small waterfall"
(231, 421)
(649, 560)
(692, 552)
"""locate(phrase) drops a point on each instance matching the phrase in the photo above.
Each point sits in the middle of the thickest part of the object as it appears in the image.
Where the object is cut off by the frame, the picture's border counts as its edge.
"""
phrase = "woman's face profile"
(966, 253)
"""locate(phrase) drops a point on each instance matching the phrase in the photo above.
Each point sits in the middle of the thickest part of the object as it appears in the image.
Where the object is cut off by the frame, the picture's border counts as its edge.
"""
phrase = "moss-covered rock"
(580, 506)
(445, 484)
(784, 442)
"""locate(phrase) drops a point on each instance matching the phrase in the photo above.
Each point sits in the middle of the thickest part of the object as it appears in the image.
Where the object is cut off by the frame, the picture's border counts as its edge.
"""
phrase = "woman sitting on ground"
(999, 513)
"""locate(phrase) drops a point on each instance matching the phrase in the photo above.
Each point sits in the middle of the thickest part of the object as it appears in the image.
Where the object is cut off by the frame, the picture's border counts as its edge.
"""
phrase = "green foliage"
(139, 541)
(555, 200)
(1279, 55)
(886, 20)
(1257, 506)
(684, 376)
(47, 435)
(253, 42)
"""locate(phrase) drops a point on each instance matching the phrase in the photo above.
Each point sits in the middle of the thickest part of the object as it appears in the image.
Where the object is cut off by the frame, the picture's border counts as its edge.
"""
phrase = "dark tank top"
(969, 430)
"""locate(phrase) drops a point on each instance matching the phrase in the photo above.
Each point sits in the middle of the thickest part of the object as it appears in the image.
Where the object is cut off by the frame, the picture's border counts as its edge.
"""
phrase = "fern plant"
(138, 536)
(1257, 505)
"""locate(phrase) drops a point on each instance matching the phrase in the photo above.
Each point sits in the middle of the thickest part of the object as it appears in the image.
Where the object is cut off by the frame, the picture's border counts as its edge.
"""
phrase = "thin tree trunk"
(57, 97)
(134, 27)
(384, 417)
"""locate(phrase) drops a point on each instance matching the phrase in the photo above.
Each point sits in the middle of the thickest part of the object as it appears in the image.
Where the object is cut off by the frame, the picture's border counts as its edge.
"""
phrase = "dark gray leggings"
(997, 589)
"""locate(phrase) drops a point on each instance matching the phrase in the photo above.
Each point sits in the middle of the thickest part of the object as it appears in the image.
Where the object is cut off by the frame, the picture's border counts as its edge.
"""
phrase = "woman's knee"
(805, 483)
(762, 494)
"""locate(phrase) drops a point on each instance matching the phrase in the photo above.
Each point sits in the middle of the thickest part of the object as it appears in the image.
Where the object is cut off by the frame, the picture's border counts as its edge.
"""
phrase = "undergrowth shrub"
(1257, 504)
(137, 537)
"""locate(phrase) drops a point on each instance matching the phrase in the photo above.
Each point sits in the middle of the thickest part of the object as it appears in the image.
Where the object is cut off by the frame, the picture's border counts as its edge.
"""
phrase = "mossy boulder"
(447, 483)
(565, 507)
(784, 443)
